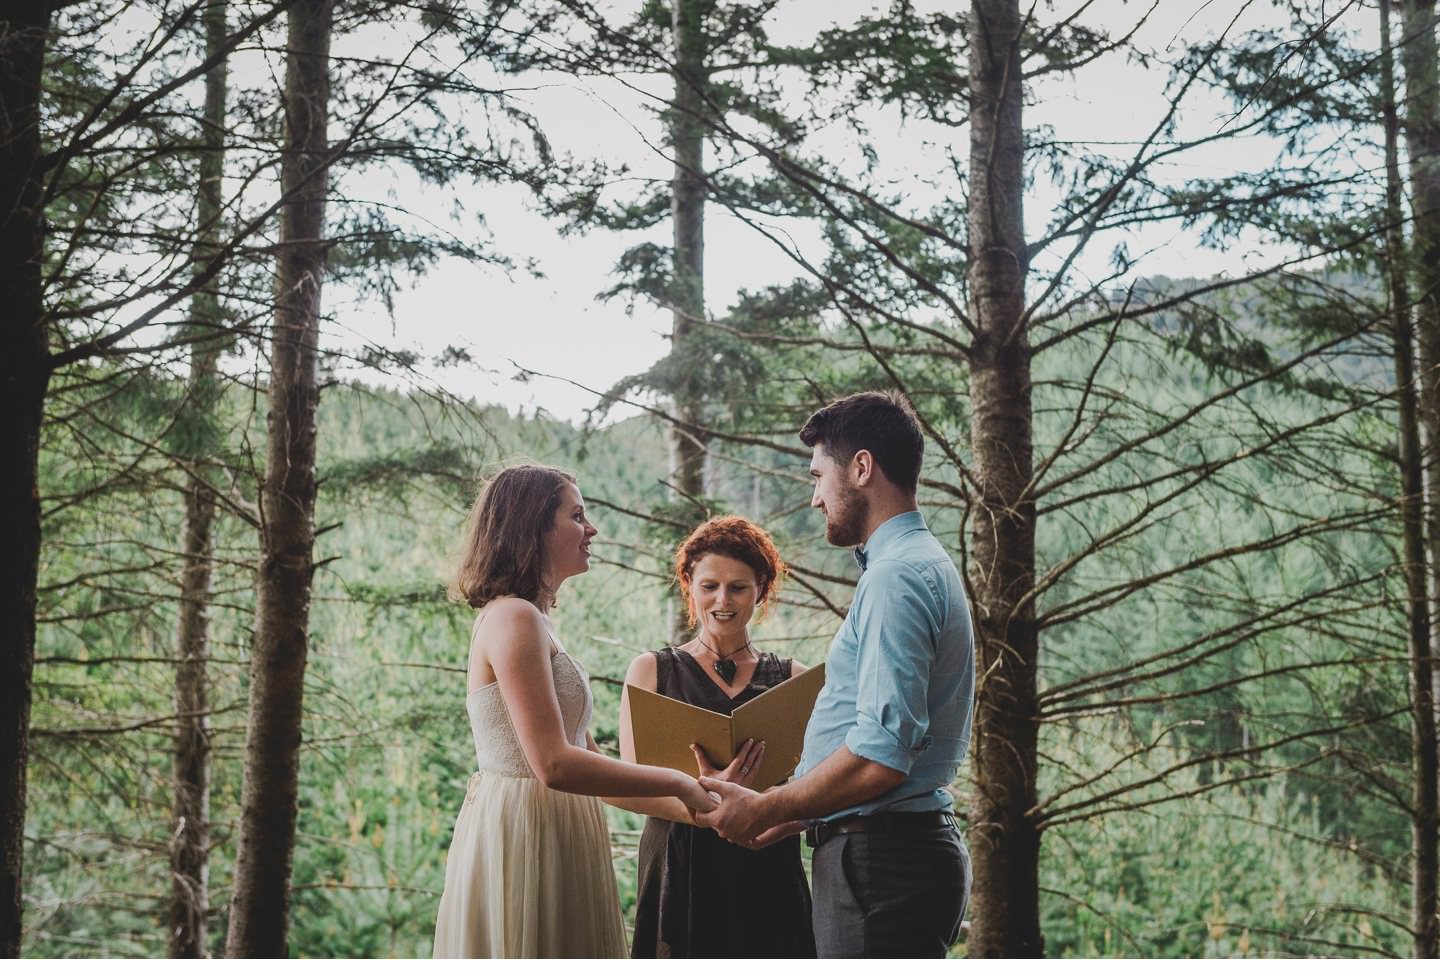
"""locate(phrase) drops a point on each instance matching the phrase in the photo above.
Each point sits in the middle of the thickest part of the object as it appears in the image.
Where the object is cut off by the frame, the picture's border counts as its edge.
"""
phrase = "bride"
(529, 871)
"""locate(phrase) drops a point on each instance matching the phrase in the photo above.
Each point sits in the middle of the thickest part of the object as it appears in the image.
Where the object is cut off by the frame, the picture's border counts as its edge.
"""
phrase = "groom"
(891, 727)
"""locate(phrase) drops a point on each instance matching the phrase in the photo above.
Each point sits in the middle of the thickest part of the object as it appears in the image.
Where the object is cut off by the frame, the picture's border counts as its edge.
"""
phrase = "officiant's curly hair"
(740, 539)
(502, 555)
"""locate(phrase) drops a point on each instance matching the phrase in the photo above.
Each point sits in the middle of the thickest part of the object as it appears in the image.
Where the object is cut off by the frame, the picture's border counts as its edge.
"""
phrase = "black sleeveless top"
(700, 896)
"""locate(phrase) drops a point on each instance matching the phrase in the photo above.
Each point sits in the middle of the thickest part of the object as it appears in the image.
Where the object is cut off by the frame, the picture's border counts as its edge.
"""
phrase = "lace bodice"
(497, 750)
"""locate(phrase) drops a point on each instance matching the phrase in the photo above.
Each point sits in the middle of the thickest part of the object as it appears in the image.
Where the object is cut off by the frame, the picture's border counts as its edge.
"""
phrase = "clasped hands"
(740, 814)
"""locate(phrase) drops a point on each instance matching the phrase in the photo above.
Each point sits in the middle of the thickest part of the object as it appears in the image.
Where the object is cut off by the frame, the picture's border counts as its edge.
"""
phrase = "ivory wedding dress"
(529, 872)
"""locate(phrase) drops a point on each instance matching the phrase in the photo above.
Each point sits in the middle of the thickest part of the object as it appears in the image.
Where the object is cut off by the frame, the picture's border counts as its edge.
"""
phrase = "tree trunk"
(24, 377)
(260, 906)
(190, 810)
(1004, 840)
(1422, 136)
(687, 209)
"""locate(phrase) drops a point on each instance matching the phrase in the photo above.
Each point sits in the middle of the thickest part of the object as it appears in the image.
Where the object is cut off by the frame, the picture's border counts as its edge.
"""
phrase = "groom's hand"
(739, 817)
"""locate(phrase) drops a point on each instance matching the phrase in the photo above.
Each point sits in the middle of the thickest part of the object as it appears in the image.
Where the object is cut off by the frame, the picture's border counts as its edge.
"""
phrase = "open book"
(664, 728)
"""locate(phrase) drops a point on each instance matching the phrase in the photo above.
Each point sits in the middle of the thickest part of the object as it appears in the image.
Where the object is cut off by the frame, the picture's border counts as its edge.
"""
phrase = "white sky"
(554, 326)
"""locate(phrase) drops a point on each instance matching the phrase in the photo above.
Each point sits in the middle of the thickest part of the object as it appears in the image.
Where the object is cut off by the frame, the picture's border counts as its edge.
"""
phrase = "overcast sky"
(553, 325)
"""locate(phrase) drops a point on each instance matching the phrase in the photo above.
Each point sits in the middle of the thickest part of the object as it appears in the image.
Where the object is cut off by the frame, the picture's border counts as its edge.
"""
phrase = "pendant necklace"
(723, 665)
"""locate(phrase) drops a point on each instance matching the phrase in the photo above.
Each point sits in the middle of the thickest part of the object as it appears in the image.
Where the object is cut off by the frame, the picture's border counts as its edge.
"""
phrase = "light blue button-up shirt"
(900, 676)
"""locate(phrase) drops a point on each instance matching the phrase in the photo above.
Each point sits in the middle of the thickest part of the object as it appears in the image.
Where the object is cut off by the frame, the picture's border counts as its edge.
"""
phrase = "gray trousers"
(880, 894)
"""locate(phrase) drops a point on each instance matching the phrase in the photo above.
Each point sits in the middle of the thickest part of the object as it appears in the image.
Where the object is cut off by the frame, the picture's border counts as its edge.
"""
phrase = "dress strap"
(771, 669)
(664, 666)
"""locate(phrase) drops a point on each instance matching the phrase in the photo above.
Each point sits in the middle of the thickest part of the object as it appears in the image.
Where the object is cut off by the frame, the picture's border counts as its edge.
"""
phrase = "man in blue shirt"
(892, 724)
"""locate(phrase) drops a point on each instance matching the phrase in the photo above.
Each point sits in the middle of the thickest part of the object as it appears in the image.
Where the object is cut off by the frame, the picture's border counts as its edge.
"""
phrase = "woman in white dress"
(529, 871)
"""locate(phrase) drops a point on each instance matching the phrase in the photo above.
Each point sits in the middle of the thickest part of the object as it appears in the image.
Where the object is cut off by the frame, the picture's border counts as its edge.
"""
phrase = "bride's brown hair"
(502, 553)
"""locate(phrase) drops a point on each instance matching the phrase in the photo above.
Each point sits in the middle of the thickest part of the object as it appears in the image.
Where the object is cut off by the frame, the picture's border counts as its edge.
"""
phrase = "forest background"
(1160, 280)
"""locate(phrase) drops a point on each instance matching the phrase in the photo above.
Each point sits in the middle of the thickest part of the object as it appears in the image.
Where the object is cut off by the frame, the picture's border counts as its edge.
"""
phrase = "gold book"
(664, 728)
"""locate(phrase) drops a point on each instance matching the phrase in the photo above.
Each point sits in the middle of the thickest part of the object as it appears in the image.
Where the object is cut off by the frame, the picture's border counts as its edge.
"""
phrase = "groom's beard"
(845, 518)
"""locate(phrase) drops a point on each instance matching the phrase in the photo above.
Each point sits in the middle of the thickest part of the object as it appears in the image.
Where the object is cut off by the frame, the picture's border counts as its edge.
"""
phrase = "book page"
(778, 717)
(663, 728)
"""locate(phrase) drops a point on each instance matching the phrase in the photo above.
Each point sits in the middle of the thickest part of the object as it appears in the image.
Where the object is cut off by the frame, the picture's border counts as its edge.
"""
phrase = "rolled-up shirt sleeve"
(897, 626)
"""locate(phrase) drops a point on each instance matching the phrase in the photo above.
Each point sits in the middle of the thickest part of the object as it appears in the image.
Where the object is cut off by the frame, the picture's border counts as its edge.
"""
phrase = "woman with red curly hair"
(698, 895)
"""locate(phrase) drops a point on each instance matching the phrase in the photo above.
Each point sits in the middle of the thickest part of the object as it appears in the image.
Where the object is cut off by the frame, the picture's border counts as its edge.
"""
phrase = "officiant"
(699, 895)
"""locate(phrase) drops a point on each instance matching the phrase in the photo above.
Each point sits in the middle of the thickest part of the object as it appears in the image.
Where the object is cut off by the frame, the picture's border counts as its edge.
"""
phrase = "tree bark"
(190, 809)
(1004, 839)
(24, 378)
(260, 907)
(687, 210)
(1422, 136)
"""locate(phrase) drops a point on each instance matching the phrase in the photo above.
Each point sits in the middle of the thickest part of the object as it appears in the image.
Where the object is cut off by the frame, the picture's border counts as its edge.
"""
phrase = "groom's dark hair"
(880, 422)
(503, 551)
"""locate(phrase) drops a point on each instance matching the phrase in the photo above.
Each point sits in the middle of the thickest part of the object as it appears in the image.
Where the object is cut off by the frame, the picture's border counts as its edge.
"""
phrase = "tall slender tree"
(24, 374)
(691, 74)
(1422, 127)
(190, 808)
(687, 213)
(1004, 841)
(259, 909)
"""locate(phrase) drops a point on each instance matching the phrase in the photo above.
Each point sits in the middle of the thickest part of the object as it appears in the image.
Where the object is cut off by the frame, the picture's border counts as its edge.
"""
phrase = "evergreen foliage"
(387, 749)
(1215, 597)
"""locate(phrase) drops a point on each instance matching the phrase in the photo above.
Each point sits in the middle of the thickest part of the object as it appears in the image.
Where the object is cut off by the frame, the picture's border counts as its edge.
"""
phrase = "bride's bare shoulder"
(511, 621)
(511, 609)
(507, 630)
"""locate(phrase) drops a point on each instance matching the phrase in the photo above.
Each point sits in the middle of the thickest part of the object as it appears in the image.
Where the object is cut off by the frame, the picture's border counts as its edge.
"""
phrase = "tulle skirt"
(529, 874)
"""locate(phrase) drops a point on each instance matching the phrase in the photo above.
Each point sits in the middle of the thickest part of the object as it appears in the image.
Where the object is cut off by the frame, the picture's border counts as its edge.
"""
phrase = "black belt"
(884, 823)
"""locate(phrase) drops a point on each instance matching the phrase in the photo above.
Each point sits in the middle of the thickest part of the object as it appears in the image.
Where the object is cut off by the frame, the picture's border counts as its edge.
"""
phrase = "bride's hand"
(693, 797)
(741, 771)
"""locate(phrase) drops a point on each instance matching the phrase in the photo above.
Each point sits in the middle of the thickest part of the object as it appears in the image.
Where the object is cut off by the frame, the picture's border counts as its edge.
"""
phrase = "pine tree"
(190, 813)
(1420, 60)
(259, 908)
(1005, 844)
(23, 378)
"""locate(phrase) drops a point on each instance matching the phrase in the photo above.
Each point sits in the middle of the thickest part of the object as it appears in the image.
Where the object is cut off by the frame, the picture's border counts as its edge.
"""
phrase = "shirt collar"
(888, 532)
